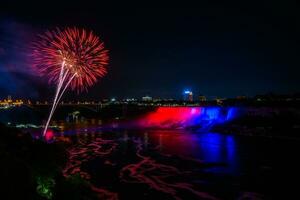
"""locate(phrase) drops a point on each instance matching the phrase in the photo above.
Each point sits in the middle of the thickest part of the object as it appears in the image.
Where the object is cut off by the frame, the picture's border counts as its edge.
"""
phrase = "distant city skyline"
(188, 97)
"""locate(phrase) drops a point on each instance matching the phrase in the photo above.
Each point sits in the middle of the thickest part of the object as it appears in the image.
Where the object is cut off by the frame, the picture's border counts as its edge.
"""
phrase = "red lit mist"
(184, 117)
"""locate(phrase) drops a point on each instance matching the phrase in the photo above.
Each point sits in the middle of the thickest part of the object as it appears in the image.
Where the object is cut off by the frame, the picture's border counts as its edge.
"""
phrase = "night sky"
(224, 49)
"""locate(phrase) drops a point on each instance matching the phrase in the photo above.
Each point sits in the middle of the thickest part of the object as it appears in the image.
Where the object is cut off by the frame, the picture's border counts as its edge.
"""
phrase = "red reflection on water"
(105, 194)
(149, 171)
(158, 171)
(85, 151)
(175, 142)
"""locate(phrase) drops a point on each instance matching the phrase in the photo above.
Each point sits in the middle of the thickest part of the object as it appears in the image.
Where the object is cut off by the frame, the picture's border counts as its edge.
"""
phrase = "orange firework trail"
(72, 58)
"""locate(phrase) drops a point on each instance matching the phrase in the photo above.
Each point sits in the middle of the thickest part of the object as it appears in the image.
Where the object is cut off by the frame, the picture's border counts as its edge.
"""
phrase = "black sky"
(216, 49)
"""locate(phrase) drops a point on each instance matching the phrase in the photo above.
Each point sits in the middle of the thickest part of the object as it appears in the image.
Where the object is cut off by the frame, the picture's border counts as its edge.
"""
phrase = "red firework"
(79, 51)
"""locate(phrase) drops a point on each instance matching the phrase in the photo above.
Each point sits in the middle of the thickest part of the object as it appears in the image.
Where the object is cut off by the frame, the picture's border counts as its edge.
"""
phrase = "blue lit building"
(187, 95)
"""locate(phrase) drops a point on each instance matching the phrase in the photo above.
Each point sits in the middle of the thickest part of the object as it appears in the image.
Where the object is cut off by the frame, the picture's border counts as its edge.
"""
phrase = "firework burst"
(72, 58)
(82, 52)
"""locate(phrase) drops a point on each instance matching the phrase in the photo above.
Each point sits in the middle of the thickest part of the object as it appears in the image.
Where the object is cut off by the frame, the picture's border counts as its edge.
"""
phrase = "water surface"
(167, 164)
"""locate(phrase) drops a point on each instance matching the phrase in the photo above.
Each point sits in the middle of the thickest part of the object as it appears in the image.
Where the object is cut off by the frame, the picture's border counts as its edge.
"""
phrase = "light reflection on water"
(137, 151)
(233, 151)
(208, 147)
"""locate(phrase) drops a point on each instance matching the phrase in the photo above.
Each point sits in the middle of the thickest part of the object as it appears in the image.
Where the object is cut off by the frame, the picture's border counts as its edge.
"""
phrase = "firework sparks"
(72, 58)
(80, 52)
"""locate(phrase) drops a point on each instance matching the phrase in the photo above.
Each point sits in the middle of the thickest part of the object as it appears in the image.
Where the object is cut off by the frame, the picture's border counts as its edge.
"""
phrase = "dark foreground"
(91, 164)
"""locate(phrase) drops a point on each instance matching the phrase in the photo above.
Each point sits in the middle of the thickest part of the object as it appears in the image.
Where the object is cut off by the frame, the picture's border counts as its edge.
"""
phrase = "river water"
(174, 164)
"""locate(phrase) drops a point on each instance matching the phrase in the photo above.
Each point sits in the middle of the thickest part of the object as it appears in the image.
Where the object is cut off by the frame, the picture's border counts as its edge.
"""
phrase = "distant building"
(188, 95)
(220, 100)
(157, 99)
(147, 98)
(202, 98)
(130, 99)
(6, 103)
